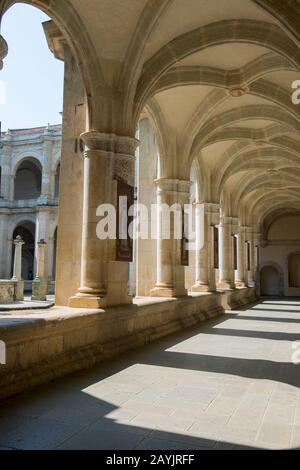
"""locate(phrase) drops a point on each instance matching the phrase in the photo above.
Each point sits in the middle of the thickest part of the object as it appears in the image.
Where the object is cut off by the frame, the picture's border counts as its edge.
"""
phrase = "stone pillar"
(226, 269)
(4, 246)
(252, 270)
(170, 272)
(146, 175)
(46, 175)
(6, 177)
(17, 274)
(39, 285)
(104, 281)
(241, 280)
(207, 216)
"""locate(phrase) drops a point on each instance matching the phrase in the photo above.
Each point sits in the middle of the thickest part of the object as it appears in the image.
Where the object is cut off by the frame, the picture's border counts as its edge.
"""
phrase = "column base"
(92, 302)
(241, 285)
(201, 288)
(225, 285)
(114, 294)
(167, 292)
(39, 290)
(18, 290)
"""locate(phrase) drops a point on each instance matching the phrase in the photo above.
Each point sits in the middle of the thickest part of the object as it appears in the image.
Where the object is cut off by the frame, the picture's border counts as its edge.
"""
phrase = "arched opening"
(26, 230)
(28, 180)
(269, 281)
(294, 270)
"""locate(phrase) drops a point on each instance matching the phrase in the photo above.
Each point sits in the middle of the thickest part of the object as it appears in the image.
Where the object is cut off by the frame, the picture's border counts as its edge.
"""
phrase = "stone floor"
(229, 384)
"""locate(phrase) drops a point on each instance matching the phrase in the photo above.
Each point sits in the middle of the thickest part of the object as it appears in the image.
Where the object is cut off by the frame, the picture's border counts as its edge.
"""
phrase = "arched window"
(28, 180)
(26, 231)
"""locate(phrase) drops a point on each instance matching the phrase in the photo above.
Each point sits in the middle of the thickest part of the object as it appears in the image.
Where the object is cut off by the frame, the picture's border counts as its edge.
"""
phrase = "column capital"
(173, 185)
(228, 220)
(111, 143)
(120, 148)
(3, 50)
(209, 207)
(18, 241)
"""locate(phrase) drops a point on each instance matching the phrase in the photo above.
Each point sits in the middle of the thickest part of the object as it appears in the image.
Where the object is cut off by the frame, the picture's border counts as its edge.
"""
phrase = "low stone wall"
(238, 298)
(43, 346)
(7, 292)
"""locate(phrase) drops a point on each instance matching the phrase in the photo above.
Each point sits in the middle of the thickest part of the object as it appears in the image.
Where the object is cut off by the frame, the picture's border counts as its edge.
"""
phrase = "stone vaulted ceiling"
(214, 76)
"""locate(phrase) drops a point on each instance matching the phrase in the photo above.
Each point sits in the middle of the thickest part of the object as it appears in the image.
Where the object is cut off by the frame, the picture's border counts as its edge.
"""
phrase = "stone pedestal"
(39, 285)
(170, 271)
(7, 292)
(17, 275)
(207, 215)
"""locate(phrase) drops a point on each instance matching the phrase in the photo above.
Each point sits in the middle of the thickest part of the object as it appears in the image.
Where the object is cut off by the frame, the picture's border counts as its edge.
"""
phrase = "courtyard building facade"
(30, 168)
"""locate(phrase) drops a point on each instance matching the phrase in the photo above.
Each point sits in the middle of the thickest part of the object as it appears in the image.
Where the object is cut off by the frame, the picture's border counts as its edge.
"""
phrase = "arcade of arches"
(30, 169)
(192, 100)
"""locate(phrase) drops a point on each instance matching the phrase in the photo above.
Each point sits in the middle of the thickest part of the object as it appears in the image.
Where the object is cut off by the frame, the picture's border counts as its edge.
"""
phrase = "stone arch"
(19, 158)
(28, 179)
(26, 229)
(71, 27)
(245, 31)
(271, 279)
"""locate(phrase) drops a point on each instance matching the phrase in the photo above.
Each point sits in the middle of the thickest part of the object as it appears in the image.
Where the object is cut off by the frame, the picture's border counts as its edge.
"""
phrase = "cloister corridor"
(229, 383)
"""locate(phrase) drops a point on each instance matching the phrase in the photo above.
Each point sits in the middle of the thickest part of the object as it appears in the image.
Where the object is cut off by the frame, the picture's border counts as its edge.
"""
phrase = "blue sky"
(33, 78)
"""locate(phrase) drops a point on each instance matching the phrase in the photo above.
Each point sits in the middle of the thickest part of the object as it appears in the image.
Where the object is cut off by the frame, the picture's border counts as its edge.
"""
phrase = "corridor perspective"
(227, 384)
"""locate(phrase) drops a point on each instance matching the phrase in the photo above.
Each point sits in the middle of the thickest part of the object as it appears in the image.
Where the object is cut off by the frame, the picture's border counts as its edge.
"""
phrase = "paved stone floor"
(228, 384)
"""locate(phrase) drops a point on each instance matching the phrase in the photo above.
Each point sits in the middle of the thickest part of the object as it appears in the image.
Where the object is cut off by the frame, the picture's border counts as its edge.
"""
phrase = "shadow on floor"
(63, 415)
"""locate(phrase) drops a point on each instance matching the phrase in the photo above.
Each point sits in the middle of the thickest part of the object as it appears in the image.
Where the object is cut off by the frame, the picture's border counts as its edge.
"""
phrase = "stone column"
(207, 216)
(6, 177)
(39, 285)
(241, 280)
(45, 196)
(249, 269)
(17, 275)
(170, 272)
(226, 269)
(256, 239)
(252, 270)
(146, 175)
(104, 281)
(3, 245)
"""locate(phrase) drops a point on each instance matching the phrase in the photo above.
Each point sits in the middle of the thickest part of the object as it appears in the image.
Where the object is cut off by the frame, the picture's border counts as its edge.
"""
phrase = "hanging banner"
(124, 249)
(185, 240)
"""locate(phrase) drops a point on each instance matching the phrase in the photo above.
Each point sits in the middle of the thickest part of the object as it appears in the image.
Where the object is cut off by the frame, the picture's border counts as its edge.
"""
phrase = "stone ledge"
(44, 346)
